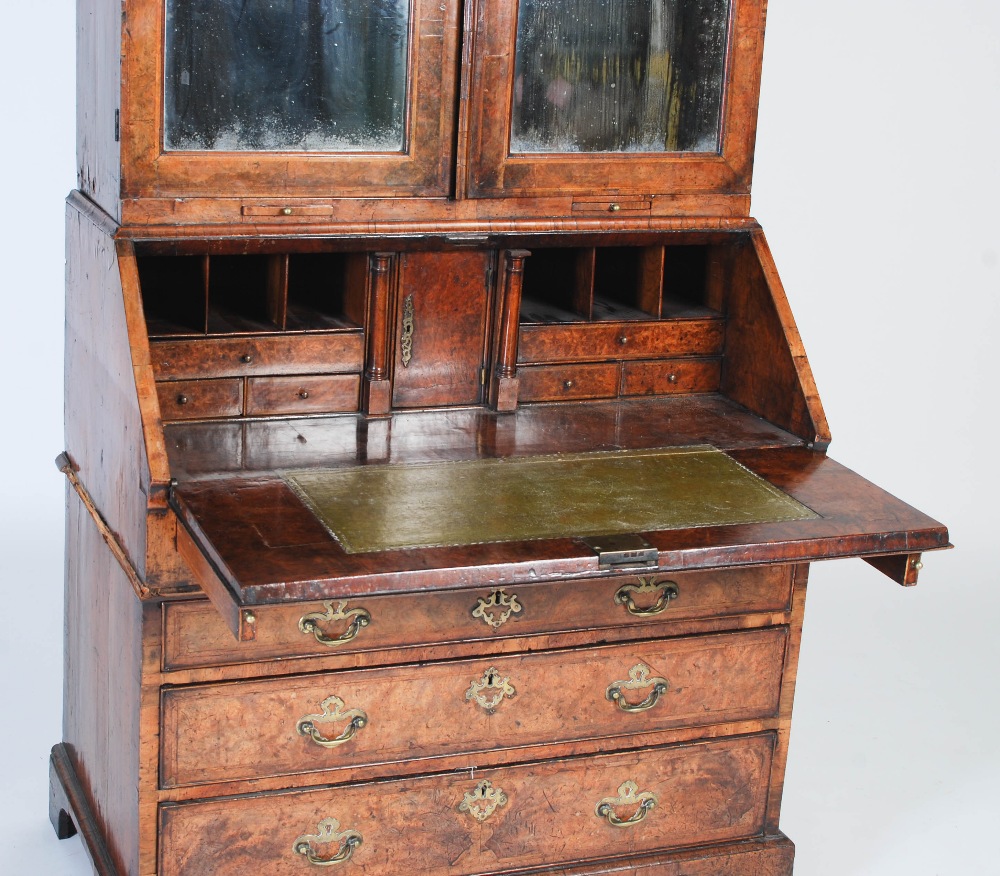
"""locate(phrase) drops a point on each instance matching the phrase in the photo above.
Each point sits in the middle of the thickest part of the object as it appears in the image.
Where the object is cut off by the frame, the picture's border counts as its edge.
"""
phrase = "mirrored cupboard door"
(297, 98)
(608, 97)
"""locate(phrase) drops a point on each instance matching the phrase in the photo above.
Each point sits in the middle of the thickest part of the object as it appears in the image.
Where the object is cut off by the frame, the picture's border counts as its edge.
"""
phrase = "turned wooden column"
(503, 387)
(376, 393)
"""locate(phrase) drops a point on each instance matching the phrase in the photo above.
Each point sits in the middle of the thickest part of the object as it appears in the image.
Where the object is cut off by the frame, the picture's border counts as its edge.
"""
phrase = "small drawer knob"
(303, 393)
(182, 399)
(286, 211)
(671, 378)
(246, 358)
(567, 384)
(614, 208)
(623, 340)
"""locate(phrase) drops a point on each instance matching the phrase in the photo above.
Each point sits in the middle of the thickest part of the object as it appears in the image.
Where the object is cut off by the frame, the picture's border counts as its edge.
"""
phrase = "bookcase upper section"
(407, 113)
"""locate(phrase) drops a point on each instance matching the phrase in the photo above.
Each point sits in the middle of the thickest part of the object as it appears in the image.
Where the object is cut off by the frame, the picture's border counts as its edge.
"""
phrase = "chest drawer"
(195, 635)
(491, 821)
(248, 730)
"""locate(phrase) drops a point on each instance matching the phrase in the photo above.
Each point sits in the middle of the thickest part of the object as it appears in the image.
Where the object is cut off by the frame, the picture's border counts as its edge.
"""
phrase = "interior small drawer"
(563, 382)
(668, 376)
(492, 821)
(304, 394)
(254, 354)
(467, 621)
(485, 707)
(593, 341)
(197, 399)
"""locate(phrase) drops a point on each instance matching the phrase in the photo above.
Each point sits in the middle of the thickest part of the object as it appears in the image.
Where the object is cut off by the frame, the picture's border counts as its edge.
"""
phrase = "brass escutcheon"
(505, 605)
(333, 713)
(665, 591)
(482, 801)
(638, 679)
(310, 623)
(498, 687)
(630, 798)
(406, 336)
(327, 833)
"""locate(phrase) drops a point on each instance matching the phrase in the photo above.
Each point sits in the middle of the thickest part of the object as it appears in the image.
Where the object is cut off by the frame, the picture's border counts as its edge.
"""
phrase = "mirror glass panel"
(619, 75)
(286, 75)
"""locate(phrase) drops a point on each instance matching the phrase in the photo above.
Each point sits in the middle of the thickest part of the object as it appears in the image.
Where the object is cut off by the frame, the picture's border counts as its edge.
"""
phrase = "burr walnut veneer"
(444, 466)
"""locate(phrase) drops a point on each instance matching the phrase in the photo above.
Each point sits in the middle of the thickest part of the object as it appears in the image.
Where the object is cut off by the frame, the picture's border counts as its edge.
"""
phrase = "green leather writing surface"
(386, 507)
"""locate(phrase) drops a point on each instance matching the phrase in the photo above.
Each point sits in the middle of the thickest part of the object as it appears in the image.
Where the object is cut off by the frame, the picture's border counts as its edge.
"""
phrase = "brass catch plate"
(614, 551)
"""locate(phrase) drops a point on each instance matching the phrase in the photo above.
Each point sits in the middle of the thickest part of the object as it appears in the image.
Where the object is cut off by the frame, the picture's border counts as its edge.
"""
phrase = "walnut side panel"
(765, 367)
(101, 706)
(98, 76)
(106, 447)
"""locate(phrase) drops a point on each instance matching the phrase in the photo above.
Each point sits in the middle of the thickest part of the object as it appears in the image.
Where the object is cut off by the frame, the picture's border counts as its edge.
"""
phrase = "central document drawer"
(483, 706)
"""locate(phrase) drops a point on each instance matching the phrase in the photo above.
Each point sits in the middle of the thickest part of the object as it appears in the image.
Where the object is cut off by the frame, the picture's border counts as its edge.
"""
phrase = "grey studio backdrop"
(877, 183)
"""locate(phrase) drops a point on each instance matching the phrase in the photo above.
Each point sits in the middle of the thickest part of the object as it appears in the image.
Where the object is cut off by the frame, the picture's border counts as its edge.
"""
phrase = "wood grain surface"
(707, 793)
(217, 733)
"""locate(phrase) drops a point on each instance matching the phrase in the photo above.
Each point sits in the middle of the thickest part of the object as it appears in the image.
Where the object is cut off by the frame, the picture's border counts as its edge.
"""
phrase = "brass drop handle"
(667, 592)
(310, 623)
(328, 832)
(638, 679)
(333, 713)
(628, 797)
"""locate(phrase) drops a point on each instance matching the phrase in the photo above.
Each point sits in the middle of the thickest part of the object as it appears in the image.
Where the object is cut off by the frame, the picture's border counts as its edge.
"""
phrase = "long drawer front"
(195, 635)
(489, 821)
(301, 724)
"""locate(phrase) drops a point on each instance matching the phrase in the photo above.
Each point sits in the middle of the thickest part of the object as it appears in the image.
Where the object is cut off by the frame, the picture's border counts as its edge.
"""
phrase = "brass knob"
(303, 393)
(623, 340)
(286, 211)
(567, 384)
(671, 378)
(246, 358)
(614, 208)
(182, 399)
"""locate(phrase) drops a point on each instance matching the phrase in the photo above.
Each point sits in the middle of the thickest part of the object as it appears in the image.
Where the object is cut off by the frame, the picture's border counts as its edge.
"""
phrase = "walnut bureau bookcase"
(444, 467)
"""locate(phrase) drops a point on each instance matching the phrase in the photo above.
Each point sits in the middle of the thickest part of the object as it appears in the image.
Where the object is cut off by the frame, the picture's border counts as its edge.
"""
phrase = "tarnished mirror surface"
(619, 75)
(286, 75)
